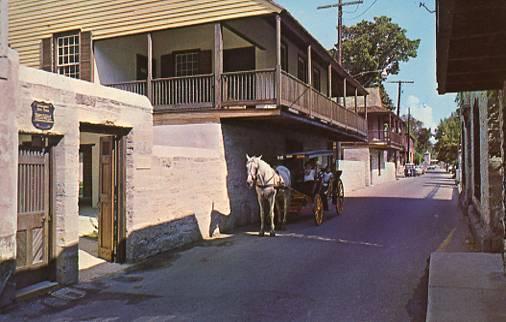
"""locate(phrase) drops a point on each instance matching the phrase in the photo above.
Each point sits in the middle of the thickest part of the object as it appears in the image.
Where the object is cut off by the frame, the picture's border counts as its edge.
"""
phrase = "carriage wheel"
(318, 209)
(340, 197)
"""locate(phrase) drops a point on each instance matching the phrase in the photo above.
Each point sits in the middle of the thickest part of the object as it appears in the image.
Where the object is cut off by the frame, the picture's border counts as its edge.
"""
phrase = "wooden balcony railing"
(183, 92)
(249, 87)
(299, 96)
(385, 137)
(137, 87)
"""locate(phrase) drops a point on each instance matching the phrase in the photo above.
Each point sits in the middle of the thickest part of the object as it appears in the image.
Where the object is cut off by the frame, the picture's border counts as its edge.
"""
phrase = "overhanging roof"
(471, 45)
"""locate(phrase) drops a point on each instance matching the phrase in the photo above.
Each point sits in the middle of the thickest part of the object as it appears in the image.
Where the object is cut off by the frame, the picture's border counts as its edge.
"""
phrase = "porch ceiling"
(471, 45)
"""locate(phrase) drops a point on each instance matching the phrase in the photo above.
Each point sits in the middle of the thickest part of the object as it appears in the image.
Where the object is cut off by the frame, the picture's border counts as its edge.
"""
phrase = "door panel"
(32, 236)
(106, 199)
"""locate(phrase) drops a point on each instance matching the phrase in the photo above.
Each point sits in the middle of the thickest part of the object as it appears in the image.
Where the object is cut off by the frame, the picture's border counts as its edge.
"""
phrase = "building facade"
(386, 151)
(471, 60)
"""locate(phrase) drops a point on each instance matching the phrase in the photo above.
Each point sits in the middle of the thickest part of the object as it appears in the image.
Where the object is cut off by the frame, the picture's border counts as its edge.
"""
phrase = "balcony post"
(149, 80)
(356, 102)
(344, 92)
(329, 94)
(329, 77)
(309, 79)
(365, 108)
(218, 64)
(278, 60)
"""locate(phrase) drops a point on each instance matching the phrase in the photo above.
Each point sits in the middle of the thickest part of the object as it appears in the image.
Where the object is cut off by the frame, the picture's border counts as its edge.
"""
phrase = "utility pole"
(399, 92)
(409, 133)
(339, 7)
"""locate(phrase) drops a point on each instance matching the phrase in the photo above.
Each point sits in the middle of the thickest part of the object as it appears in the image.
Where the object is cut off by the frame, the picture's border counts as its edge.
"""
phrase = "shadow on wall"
(154, 239)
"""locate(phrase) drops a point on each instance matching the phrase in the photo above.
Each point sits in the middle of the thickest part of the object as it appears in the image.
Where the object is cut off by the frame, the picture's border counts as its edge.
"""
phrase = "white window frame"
(186, 63)
(68, 54)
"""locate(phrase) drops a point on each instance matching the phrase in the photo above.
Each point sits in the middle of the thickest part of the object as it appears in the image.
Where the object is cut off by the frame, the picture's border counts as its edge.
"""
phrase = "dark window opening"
(316, 80)
(302, 69)
(284, 57)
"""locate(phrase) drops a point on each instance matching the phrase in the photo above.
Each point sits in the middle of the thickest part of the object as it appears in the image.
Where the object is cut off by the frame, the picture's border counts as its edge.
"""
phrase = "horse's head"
(252, 165)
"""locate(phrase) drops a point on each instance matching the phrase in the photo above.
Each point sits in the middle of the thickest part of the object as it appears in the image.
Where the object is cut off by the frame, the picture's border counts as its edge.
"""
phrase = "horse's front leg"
(272, 203)
(261, 208)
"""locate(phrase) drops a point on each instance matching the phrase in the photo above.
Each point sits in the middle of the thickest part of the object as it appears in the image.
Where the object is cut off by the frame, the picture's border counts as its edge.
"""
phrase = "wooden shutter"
(167, 65)
(46, 54)
(106, 192)
(205, 62)
(85, 57)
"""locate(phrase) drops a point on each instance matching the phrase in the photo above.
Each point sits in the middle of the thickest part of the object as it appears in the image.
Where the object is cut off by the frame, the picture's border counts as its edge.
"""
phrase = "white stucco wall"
(354, 174)
(78, 101)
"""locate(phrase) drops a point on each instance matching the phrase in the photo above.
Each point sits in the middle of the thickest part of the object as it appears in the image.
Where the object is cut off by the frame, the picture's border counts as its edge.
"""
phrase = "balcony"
(256, 89)
(386, 138)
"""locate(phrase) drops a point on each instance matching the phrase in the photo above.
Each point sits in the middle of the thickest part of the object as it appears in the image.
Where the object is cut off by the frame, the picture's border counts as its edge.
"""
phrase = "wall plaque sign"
(42, 115)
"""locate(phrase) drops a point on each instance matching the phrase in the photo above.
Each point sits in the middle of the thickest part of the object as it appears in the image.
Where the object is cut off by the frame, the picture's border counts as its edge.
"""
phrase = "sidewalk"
(466, 287)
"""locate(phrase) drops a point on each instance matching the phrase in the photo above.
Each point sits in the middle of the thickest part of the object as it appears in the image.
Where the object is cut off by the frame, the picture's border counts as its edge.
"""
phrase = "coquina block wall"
(483, 171)
(208, 161)
(78, 102)
(8, 177)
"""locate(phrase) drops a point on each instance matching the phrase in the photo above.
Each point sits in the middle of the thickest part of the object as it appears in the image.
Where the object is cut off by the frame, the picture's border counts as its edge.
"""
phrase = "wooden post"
(278, 60)
(329, 77)
(218, 64)
(356, 101)
(309, 79)
(309, 66)
(344, 93)
(365, 108)
(149, 81)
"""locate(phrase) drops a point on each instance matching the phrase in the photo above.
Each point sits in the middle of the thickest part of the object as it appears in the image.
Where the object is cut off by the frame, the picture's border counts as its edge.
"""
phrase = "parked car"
(409, 170)
(418, 170)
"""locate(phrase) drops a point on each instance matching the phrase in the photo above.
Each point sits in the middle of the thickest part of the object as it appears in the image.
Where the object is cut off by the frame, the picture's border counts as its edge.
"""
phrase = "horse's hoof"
(273, 234)
(261, 234)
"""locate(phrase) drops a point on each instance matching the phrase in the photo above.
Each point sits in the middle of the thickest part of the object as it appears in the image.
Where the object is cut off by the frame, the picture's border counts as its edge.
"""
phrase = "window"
(316, 80)
(186, 63)
(302, 69)
(67, 51)
(284, 57)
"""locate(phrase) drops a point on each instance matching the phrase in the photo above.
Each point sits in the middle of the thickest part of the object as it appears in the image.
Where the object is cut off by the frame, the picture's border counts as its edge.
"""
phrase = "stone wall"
(358, 153)
(354, 175)
(79, 102)
(486, 213)
(215, 154)
(8, 164)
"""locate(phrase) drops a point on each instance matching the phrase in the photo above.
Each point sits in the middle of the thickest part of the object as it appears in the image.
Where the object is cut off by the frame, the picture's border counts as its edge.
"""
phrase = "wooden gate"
(32, 237)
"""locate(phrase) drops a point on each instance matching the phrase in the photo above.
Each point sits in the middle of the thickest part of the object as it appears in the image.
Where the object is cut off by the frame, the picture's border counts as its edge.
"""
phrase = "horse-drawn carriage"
(315, 180)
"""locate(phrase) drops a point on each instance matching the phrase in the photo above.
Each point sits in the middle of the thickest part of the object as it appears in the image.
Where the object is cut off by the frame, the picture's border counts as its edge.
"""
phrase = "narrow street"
(370, 264)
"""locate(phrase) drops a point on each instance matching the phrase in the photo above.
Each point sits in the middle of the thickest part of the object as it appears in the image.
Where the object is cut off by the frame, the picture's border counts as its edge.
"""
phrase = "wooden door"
(32, 236)
(106, 199)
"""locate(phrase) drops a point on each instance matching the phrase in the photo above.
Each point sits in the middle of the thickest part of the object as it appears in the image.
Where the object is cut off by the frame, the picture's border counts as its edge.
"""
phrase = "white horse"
(267, 183)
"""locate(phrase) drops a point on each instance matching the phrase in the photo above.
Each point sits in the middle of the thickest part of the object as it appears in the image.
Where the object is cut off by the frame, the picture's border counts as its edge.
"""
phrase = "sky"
(426, 104)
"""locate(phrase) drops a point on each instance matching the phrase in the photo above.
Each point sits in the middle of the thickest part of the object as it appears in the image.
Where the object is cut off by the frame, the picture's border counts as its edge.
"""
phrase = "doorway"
(101, 195)
(34, 238)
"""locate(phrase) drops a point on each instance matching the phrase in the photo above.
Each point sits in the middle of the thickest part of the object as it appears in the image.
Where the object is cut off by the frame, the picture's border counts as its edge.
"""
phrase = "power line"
(365, 11)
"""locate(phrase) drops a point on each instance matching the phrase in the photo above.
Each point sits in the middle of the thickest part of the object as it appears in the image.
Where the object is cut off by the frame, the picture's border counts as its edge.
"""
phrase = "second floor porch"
(259, 63)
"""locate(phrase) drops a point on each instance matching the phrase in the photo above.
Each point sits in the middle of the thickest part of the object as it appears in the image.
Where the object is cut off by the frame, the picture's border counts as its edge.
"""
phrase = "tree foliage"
(376, 45)
(422, 137)
(448, 139)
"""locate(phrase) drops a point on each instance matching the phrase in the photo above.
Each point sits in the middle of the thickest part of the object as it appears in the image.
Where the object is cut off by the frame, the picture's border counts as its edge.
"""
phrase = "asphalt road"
(370, 264)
